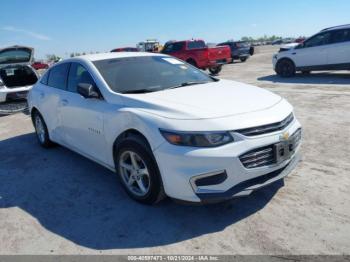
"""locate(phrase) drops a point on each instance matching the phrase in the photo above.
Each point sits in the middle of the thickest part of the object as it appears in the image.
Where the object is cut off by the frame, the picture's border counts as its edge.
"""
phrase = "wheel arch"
(32, 112)
(285, 59)
(127, 133)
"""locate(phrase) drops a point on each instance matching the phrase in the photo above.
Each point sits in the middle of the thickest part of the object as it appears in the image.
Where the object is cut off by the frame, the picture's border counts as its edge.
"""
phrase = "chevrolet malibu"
(165, 127)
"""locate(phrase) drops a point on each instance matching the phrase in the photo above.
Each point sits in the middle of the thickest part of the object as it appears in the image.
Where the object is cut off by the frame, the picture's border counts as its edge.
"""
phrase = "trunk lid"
(19, 55)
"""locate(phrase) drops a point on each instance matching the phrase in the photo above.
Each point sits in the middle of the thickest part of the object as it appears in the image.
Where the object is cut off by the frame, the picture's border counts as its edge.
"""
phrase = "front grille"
(259, 157)
(265, 156)
(260, 130)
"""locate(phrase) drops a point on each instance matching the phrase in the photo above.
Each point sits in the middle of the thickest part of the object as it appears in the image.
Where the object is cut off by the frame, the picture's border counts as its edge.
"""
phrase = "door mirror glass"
(88, 91)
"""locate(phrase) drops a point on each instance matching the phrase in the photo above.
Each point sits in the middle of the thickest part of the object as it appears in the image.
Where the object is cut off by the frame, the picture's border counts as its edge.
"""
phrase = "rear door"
(51, 90)
(314, 51)
(82, 119)
(339, 49)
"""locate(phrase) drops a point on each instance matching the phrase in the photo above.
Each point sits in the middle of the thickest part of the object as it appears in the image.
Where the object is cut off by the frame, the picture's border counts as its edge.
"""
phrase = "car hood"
(288, 47)
(211, 100)
(16, 55)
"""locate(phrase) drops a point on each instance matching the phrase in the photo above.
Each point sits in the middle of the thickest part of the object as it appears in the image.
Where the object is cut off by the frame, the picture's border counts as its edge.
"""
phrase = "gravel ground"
(57, 202)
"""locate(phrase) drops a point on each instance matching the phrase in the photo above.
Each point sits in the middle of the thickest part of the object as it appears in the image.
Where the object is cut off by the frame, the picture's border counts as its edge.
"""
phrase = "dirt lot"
(57, 202)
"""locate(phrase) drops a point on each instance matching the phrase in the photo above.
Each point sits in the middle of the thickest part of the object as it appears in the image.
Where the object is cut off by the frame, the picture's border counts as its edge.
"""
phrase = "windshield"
(148, 74)
(20, 55)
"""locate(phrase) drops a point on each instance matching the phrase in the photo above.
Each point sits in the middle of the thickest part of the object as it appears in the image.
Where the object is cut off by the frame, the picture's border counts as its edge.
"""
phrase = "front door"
(82, 119)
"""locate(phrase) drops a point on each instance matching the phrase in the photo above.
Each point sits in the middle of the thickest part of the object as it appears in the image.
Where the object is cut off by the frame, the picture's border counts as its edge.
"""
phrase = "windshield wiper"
(138, 91)
(187, 84)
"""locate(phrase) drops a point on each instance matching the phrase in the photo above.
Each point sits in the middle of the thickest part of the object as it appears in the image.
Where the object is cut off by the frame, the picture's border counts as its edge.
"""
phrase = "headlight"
(197, 139)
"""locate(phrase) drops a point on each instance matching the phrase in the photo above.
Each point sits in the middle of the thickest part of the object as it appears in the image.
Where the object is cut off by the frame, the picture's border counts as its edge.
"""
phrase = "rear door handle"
(64, 102)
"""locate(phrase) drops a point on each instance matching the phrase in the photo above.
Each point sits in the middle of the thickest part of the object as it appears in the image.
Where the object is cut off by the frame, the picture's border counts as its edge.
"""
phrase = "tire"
(243, 59)
(215, 70)
(192, 62)
(41, 131)
(138, 171)
(251, 51)
(285, 68)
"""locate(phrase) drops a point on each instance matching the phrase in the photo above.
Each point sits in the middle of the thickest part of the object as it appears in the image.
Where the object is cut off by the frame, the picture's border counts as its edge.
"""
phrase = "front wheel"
(215, 70)
(243, 59)
(285, 68)
(138, 171)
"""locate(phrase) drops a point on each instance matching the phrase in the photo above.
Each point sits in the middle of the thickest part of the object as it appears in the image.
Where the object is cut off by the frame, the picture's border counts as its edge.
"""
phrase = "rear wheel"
(215, 70)
(285, 68)
(243, 59)
(41, 131)
(138, 171)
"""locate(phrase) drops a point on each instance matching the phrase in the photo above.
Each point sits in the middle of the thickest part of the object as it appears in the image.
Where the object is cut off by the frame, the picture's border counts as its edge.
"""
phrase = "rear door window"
(340, 36)
(58, 76)
(78, 75)
(196, 45)
(45, 78)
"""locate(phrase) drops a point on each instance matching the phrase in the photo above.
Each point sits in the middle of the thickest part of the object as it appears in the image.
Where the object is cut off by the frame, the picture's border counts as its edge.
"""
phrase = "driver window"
(78, 74)
(318, 40)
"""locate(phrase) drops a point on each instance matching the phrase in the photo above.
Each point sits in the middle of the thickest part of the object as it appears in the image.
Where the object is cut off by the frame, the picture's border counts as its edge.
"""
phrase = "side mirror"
(88, 91)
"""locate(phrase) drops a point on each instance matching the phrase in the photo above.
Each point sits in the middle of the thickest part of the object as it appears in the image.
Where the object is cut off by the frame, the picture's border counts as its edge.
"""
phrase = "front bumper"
(179, 166)
(219, 62)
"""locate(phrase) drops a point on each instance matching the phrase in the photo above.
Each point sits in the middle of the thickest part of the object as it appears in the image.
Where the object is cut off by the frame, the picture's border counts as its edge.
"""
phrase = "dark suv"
(239, 50)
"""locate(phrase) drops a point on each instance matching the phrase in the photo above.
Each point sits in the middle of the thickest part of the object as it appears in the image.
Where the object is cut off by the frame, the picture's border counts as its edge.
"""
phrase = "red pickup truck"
(196, 53)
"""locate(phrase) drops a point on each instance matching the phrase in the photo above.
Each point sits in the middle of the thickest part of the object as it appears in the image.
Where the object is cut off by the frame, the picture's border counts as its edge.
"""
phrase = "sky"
(64, 26)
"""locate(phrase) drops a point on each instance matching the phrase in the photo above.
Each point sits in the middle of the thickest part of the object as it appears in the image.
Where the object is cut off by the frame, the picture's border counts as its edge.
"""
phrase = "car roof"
(104, 56)
(337, 27)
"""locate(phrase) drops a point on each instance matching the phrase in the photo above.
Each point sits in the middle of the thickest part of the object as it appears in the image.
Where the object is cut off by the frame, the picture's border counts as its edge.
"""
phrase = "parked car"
(239, 50)
(17, 76)
(125, 49)
(196, 53)
(277, 42)
(40, 65)
(327, 50)
(165, 127)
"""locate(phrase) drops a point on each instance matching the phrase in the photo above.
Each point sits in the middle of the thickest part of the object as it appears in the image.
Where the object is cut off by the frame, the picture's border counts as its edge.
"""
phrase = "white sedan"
(165, 127)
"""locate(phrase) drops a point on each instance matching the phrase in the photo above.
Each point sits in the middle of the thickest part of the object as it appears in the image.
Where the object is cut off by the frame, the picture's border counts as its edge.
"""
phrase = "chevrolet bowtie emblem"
(285, 136)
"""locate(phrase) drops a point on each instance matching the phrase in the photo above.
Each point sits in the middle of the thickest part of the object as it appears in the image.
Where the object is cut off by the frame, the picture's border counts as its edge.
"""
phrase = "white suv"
(17, 76)
(327, 50)
(166, 127)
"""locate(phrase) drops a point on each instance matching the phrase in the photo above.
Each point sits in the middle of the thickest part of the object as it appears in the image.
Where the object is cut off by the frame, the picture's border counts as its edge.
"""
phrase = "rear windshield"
(149, 73)
(196, 45)
(15, 56)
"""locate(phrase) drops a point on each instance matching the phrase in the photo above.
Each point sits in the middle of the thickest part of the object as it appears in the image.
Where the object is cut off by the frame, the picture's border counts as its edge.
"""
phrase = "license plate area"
(284, 150)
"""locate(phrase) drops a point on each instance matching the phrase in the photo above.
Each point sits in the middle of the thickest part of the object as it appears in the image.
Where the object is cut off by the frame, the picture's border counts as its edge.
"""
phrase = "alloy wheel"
(134, 173)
